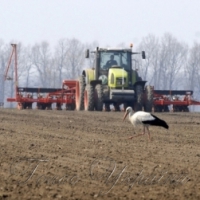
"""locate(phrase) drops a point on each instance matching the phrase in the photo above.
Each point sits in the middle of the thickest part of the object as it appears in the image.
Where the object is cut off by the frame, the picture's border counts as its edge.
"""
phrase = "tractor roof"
(115, 49)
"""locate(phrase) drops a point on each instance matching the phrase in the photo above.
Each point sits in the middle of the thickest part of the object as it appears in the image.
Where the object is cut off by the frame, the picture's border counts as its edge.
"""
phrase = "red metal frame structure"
(14, 51)
(179, 99)
(44, 97)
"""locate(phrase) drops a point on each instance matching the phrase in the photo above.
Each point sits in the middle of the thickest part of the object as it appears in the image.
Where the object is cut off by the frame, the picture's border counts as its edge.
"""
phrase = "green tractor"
(113, 81)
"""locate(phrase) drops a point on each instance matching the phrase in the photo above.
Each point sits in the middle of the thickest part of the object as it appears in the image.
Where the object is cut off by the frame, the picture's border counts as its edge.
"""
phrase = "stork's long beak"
(126, 113)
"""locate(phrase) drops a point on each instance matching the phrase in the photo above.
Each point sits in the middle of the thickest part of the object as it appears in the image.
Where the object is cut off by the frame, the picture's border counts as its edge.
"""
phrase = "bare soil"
(86, 155)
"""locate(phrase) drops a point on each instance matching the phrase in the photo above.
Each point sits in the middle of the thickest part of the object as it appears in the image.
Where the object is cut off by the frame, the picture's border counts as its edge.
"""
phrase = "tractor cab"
(115, 58)
(115, 65)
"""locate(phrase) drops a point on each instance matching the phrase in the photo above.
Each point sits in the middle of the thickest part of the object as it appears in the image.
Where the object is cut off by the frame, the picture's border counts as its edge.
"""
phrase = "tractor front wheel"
(98, 94)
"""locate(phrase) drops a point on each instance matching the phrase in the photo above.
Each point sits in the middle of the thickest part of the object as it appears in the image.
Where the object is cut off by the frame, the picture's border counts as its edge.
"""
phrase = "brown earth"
(86, 155)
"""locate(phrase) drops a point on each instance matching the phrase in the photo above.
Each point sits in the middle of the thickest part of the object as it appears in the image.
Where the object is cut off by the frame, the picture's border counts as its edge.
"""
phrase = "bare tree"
(60, 61)
(8, 83)
(2, 68)
(164, 60)
(192, 69)
(41, 58)
(174, 58)
(24, 64)
(28, 66)
(150, 67)
(75, 58)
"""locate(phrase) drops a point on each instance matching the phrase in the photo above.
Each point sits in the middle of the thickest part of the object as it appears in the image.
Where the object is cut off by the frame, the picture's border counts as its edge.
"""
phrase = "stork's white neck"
(130, 114)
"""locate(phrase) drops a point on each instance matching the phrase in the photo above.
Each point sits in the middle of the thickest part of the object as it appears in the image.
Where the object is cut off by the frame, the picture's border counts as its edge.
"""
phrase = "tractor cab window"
(108, 59)
(119, 58)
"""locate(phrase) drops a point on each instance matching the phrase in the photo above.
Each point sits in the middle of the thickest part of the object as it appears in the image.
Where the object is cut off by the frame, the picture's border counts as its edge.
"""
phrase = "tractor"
(113, 82)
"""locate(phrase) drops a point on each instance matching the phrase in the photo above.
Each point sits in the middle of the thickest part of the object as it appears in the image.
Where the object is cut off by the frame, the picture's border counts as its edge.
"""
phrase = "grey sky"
(110, 22)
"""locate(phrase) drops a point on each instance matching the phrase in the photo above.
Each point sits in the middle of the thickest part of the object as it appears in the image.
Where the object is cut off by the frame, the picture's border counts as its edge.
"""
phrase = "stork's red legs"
(142, 134)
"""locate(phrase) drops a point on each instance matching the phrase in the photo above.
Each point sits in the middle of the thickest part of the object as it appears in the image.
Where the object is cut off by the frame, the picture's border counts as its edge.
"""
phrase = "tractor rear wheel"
(148, 104)
(98, 104)
(80, 94)
(139, 97)
(89, 98)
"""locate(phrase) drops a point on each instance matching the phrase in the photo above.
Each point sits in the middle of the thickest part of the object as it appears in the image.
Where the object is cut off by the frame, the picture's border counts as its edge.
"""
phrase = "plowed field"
(86, 155)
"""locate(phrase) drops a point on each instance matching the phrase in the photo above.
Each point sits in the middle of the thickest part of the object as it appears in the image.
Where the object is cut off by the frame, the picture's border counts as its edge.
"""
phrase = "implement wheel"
(158, 108)
(186, 109)
(166, 109)
(70, 106)
(80, 94)
(89, 98)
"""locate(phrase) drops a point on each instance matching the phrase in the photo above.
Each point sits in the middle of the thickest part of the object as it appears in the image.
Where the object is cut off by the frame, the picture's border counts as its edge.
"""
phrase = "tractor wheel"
(148, 104)
(80, 94)
(89, 98)
(166, 109)
(139, 97)
(98, 104)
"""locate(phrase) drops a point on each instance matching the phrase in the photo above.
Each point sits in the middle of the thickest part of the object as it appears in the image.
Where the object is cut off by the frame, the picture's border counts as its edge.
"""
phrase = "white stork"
(145, 119)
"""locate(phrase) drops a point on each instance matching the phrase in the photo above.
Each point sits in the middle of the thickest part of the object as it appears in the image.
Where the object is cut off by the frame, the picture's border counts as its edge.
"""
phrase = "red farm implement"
(179, 100)
(43, 97)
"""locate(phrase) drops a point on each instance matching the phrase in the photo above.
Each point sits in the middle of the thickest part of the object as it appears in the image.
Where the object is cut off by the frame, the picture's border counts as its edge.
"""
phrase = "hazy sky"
(109, 22)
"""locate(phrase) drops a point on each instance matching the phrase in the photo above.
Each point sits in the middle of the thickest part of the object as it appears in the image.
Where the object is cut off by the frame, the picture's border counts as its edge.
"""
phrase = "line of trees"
(169, 64)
